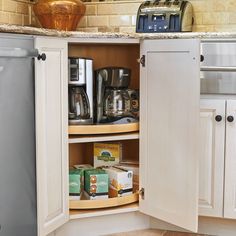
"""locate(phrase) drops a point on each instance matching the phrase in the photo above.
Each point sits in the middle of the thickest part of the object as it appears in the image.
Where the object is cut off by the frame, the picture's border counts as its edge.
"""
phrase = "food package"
(120, 181)
(107, 154)
(96, 184)
(82, 168)
(135, 169)
(74, 184)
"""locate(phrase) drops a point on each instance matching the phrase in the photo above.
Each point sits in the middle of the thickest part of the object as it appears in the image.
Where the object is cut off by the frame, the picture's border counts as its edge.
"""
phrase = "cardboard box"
(96, 184)
(107, 154)
(135, 169)
(120, 181)
(74, 184)
(82, 168)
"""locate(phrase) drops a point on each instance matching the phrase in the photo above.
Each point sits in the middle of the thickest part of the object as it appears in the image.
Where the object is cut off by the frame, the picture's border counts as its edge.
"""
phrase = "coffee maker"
(80, 91)
(113, 102)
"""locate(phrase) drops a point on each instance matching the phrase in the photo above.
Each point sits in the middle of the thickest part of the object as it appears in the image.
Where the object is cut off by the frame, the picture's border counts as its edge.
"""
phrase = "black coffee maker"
(113, 102)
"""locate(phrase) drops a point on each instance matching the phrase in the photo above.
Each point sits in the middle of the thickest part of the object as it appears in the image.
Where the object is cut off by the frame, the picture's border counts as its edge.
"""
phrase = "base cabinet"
(169, 119)
(217, 170)
(169, 148)
(211, 157)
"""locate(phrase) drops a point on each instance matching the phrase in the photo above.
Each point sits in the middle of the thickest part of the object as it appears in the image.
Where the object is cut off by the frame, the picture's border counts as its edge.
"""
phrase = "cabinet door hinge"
(142, 60)
(141, 193)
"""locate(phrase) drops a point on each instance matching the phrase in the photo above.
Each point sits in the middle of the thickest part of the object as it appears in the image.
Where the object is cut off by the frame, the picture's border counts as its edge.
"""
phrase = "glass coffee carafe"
(79, 111)
(117, 103)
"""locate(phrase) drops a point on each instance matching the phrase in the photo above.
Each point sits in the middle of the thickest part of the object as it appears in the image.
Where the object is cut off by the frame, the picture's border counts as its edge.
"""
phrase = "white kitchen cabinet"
(51, 97)
(211, 157)
(230, 161)
(169, 131)
(169, 126)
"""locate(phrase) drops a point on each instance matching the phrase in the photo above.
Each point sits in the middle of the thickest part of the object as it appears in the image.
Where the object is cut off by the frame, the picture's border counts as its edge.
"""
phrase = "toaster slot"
(143, 22)
(174, 24)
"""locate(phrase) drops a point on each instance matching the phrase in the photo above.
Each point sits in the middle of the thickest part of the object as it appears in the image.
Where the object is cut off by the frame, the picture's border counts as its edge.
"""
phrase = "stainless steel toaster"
(164, 16)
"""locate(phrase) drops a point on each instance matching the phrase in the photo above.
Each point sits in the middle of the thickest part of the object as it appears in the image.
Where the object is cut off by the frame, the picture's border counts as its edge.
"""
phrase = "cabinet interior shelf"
(104, 203)
(102, 138)
(77, 214)
(103, 128)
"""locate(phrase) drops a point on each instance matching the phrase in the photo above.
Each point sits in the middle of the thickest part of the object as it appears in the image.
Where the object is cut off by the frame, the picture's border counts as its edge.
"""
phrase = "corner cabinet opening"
(88, 141)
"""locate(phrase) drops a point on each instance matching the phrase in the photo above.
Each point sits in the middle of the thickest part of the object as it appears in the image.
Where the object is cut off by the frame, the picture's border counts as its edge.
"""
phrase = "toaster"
(164, 16)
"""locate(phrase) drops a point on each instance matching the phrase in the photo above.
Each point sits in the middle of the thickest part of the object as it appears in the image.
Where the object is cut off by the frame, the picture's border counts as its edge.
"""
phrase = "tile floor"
(154, 232)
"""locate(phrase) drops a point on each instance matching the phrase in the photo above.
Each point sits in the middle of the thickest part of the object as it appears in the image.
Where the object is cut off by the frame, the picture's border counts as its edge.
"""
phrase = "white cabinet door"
(211, 157)
(169, 138)
(51, 134)
(230, 161)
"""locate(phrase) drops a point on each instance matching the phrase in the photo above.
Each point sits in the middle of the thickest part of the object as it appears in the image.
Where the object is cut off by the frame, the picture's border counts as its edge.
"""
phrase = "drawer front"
(219, 54)
(218, 69)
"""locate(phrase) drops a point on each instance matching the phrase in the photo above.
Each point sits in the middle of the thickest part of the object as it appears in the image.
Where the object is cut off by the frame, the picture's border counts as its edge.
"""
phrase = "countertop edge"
(6, 28)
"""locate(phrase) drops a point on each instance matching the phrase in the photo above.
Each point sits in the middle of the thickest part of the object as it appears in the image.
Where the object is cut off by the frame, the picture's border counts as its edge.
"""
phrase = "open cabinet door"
(170, 114)
(51, 96)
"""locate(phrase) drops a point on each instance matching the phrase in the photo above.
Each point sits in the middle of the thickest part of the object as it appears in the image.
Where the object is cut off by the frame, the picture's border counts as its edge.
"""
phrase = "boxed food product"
(82, 168)
(120, 181)
(75, 184)
(135, 169)
(107, 154)
(96, 184)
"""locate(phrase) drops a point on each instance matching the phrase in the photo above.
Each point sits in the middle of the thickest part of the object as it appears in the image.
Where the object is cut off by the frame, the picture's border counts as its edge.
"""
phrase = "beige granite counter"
(4, 28)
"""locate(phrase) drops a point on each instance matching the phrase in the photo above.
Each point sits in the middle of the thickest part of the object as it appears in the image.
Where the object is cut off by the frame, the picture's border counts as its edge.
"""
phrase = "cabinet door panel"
(169, 135)
(230, 162)
(51, 135)
(211, 158)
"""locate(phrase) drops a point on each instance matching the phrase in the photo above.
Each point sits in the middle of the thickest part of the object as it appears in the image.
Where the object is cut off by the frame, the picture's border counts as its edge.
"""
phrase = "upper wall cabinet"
(169, 135)
(51, 97)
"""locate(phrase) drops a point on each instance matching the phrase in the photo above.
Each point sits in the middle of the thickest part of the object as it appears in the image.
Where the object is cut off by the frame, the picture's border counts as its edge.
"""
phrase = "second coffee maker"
(113, 104)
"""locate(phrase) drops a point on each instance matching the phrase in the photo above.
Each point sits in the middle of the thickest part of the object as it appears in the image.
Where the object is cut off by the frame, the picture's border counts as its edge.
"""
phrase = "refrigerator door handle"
(17, 53)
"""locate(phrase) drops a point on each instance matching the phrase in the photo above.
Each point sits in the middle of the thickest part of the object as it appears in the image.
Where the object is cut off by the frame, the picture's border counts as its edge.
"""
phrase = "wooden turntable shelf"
(103, 128)
(104, 203)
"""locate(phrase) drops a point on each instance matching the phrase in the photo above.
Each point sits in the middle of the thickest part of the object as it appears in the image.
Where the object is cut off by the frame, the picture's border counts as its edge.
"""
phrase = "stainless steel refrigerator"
(17, 137)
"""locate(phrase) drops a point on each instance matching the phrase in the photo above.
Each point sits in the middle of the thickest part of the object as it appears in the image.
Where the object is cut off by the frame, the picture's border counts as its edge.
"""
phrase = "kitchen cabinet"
(217, 158)
(211, 157)
(167, 148)
(51, 134)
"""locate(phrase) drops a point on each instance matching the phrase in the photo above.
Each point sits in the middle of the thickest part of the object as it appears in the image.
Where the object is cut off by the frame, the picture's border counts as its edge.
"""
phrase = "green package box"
(96, 184)
(75, 184)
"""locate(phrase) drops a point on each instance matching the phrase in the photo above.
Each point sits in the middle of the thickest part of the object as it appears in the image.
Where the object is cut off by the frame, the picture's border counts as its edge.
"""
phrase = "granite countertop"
(4, 28)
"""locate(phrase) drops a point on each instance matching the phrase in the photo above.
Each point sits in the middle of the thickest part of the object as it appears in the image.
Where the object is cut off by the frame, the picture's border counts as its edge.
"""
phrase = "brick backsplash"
(120, 16)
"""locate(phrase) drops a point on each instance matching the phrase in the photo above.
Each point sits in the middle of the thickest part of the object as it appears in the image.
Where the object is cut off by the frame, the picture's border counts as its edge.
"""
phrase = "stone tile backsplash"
(15, 12)
(120, 16)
